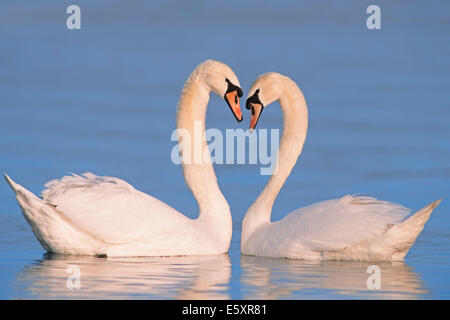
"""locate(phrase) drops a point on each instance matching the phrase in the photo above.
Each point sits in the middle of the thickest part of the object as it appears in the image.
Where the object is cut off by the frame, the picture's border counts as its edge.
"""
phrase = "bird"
(353, 227)
(107, 217)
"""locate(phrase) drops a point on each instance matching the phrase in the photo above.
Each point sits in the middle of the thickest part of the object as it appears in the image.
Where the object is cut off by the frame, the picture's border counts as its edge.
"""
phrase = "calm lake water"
(103, 99)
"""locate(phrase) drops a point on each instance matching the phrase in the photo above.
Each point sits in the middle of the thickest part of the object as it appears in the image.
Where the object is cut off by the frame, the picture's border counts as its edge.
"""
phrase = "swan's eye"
(232, 87)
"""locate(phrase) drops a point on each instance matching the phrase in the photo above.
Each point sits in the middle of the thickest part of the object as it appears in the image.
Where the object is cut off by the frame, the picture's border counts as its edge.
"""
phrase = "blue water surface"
(103, 99)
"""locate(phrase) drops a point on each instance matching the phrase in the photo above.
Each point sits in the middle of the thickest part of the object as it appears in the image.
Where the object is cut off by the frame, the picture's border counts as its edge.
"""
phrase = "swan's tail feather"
(391, 245)
(52, 228)
(20, 191)
(11, 183)
(30, 205)
(407, 231)
(26, 199)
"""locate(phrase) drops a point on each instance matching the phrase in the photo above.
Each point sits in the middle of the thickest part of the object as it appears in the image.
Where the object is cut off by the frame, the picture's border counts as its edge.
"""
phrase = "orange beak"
(232, 98)
(256, 110)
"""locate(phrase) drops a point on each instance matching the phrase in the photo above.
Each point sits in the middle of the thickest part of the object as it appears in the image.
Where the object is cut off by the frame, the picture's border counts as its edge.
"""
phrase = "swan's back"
(339, 223)
(110, 208)
(330, 225)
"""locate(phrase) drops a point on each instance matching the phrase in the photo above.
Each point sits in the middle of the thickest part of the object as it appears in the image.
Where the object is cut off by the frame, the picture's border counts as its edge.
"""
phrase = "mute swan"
(93, 215)
(350, 228)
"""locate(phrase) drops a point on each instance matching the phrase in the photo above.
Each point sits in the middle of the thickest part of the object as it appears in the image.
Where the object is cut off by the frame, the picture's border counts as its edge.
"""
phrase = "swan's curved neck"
(197, 169)
(295, 117)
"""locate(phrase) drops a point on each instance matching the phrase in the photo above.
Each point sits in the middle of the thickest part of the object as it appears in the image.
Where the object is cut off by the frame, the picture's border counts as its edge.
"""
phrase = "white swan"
(92, 215)
(350, 228)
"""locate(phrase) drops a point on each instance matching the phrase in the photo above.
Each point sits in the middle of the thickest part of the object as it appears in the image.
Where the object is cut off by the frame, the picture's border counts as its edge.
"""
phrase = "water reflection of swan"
(271, 278)
(188, 277)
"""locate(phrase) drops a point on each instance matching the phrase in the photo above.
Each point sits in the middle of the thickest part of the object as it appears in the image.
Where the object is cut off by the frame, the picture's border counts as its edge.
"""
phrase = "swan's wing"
(339, 223)
(110, 208)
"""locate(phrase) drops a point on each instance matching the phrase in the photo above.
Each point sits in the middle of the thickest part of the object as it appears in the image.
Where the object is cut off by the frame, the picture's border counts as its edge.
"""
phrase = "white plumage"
(337, 229)
(350, 228)
(92, 215)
